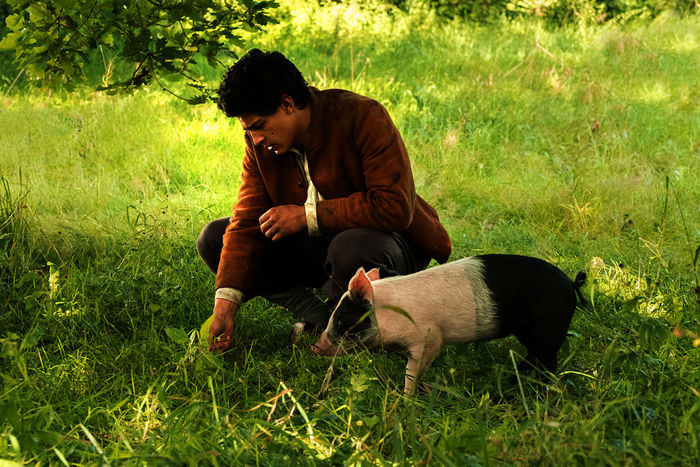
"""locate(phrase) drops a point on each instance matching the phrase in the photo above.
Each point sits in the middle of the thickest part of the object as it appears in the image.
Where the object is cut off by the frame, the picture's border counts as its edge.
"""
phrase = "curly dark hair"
(256, 83)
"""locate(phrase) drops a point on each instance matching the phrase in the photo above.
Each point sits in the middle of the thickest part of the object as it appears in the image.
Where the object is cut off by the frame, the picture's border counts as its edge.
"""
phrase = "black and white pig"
(473, 299)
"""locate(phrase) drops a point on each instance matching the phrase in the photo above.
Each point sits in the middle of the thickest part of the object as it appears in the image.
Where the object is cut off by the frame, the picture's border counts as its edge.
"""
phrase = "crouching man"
(326, 188)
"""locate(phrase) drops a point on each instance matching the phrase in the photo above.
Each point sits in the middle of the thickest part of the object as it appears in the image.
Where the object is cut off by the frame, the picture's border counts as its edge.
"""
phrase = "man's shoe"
(312, 312)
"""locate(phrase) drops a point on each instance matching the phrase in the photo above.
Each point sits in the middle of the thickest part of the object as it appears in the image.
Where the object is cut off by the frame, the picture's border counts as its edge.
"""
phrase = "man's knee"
(205, 239)
(364, 247)
(361, 246)
(210, 242)
(202, 241)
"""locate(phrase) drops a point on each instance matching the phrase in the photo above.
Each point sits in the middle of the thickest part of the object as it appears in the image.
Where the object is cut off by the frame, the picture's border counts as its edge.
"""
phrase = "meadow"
(579, 145)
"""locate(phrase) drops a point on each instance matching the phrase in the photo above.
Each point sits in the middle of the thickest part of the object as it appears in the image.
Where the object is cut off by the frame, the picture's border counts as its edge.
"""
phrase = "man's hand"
(221, 329)
(281, 221)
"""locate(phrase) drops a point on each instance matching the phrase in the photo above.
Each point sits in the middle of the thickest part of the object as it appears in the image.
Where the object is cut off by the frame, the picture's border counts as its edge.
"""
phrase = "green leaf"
(48, 437)
(9, 42)
(204, 331)
(359, 383)
(9, 412)
(36, 13)
(40, 49)
(177, 335)
(108, 39)
(13, 21)
(31, 338)
(372, 421)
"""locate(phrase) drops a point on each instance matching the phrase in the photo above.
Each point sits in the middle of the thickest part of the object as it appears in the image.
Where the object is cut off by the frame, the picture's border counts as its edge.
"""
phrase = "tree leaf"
(13, 21)
(9, 42)
(53, 40)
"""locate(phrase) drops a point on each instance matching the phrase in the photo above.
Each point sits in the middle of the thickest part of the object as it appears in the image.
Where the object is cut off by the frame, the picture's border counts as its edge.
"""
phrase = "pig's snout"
(325, 347)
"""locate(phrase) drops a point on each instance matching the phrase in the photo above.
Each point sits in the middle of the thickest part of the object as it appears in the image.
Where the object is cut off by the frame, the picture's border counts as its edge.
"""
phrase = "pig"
(473, 299)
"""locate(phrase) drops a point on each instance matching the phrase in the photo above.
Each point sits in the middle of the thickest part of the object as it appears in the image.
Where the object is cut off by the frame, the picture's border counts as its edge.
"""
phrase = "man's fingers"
(280, 221)
(277, 236)
(268, 232)
(223, 325)
(220, 344)
(223, 344)
(270, 229)
(266, 225)
(220, 334)
(213, 333)
(266, 217)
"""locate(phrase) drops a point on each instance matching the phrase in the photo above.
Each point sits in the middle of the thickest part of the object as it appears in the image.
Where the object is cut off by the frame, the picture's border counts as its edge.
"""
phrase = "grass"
(577, 145)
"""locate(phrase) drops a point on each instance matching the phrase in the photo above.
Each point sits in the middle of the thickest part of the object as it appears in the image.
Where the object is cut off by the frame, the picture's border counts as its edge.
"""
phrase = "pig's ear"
(361, 286)
(373, 274)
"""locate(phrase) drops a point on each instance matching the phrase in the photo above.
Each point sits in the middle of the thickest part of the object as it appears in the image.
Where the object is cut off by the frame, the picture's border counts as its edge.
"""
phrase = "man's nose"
(257, 138)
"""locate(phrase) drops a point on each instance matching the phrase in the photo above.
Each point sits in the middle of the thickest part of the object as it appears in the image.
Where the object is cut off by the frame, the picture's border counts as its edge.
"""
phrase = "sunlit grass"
(578, 145)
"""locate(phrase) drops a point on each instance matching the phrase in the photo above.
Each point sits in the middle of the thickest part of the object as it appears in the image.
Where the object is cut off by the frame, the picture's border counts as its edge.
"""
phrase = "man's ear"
(373, 274)
(360, 285)
(287, 103)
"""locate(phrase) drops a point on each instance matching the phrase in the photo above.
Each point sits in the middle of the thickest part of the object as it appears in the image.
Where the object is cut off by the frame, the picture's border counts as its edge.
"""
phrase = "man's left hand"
(282, 221)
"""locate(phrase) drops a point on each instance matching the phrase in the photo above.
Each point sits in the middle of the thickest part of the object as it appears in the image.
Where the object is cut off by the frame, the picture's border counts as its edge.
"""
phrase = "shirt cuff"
(230, 294)
(312, 220)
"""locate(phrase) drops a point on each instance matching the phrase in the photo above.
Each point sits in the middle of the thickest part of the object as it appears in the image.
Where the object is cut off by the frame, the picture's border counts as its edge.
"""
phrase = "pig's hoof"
(297, 331)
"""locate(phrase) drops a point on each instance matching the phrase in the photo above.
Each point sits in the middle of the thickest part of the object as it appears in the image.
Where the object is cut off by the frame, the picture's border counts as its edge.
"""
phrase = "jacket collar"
(311, 138)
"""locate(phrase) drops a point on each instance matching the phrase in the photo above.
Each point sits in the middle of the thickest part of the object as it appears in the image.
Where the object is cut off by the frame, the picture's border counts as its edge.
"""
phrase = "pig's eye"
(360, 324)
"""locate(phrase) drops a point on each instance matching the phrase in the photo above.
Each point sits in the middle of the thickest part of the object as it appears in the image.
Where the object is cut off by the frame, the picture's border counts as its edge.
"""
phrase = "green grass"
(580, 146)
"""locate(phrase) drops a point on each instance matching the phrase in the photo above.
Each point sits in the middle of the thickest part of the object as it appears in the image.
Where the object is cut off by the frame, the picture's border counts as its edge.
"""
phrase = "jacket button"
(300, 184)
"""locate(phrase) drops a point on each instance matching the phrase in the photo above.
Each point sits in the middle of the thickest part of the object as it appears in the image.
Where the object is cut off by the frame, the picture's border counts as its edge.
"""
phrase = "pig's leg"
(546, 330)
(546, 349)
(421, 356)
(542, 345)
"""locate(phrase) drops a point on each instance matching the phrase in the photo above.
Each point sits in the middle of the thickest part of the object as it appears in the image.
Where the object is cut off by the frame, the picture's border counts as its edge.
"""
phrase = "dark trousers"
(323, 262)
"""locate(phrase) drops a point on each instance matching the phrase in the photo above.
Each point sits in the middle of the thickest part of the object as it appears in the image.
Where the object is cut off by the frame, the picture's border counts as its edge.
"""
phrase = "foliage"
(54, 39)
(5, 11)
(557, 12)
(577, 145)
(7, 69)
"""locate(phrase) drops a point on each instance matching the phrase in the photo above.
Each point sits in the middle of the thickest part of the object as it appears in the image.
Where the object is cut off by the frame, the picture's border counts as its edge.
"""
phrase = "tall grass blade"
(520, 384)
(60, 456)
(95, 444)
(214, 405)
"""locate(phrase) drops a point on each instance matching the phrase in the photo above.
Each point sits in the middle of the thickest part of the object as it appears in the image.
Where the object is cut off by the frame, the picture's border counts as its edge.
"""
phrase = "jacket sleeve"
(244, 243)
(387, 200)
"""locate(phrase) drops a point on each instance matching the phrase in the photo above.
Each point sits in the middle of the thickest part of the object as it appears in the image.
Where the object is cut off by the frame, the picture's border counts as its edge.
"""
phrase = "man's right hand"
(221, 329)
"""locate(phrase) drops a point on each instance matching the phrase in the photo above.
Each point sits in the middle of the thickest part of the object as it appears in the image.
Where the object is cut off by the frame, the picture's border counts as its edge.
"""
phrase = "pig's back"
(526, 289)
(453, 297)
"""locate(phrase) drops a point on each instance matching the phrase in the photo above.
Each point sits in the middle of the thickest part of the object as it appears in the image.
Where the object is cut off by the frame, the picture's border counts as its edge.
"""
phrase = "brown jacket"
(357, 162)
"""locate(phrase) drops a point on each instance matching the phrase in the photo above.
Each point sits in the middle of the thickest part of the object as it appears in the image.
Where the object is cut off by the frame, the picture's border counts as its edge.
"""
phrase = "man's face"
(277, 132)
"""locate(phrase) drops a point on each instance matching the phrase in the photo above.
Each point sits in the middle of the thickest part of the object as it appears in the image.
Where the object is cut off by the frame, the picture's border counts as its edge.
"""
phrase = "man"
(326, 188)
